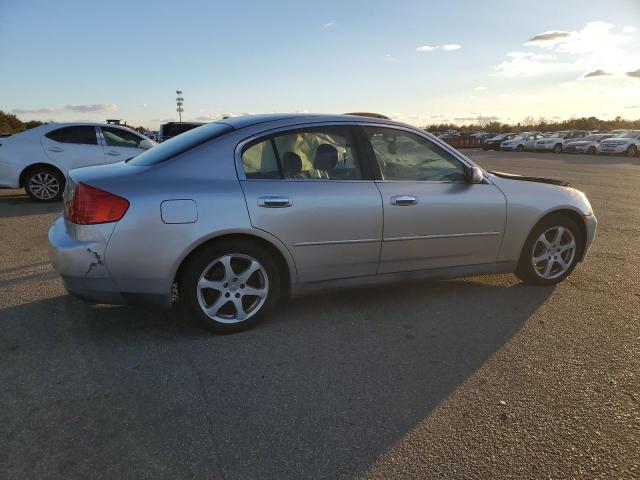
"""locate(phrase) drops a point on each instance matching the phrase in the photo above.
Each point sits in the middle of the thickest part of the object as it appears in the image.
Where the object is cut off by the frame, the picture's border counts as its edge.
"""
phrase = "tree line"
(530, 124)
(9, 123)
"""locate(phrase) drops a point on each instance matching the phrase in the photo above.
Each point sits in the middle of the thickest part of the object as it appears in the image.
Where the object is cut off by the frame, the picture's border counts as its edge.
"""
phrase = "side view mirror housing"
(146, 144)
(475, 175)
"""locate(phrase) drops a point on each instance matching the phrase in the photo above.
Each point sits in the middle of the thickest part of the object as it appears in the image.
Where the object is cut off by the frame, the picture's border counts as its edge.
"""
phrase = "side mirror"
(475, 175)
(146, 144)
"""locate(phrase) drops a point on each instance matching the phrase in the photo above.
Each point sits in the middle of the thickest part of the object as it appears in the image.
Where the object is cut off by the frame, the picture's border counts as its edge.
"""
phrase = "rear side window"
(320, 153)
(116, 137)
(85, 135)
(180, 144)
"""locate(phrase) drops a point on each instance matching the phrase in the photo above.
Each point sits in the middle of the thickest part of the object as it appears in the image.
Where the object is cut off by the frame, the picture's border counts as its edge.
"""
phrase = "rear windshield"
(180, 144)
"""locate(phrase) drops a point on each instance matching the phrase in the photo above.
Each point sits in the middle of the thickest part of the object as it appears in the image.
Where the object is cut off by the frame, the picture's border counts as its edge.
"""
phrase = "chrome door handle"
(113, 153)
(274, 201)
(404, 200)
(56, 149)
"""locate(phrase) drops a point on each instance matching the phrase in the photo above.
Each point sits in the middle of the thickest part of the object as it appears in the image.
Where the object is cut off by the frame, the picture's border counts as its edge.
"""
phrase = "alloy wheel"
(233, 288)
(553, 252)
(44, 186)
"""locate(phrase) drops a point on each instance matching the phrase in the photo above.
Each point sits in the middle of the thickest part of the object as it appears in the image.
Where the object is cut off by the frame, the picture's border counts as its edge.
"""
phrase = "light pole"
(179, 102)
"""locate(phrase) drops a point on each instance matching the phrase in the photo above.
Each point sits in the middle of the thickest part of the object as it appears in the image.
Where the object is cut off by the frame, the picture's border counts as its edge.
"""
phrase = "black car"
(172, 129)
(494, 143)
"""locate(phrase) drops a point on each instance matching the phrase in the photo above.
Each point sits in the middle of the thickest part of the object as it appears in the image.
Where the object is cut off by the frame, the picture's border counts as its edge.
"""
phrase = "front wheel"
(632, 151)
(591, 151)
(551, 251)
(229, 286)
(520, 148)
(44, 184)
(557, 148)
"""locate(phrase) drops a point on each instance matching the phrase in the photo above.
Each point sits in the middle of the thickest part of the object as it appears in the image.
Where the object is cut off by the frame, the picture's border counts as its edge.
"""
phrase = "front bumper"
(544, 148)
(591, 225)
(618, 149)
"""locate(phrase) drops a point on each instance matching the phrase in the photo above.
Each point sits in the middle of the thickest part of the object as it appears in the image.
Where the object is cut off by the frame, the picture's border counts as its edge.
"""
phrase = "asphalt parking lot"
(474, 378)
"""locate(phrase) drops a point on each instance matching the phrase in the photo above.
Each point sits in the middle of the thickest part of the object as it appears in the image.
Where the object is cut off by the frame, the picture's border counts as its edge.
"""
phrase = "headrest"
(291, 164)
(326, 157)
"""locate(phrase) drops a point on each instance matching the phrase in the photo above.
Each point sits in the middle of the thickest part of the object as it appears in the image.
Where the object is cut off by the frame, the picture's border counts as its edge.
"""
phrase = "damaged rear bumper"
(77, 254)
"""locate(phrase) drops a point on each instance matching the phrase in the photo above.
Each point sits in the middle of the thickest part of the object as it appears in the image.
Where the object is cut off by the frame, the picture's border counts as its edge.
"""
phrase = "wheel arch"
(37, 165)
(282, 257)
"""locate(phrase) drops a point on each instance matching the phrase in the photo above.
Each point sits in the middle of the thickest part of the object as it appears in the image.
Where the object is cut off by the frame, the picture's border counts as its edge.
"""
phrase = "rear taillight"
(88, 205)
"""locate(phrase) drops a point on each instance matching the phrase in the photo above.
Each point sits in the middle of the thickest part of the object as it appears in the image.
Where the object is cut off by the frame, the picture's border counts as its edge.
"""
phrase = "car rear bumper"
(80, 263)
(10, 175)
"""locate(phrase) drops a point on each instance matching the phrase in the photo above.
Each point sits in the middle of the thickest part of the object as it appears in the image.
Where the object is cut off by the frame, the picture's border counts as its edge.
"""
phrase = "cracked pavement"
(475, 378)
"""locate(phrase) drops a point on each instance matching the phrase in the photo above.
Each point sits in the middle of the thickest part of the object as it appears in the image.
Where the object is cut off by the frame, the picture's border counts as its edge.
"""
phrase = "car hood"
(513, 176)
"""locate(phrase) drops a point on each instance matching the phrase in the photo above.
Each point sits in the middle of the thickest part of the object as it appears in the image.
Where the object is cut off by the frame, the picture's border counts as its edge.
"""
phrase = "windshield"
(180, 144)
(558, 135)
(591, 138)
(633, 134)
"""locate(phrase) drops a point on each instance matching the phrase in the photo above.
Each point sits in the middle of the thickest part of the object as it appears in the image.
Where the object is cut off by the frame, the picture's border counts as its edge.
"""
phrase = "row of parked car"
(625, 142)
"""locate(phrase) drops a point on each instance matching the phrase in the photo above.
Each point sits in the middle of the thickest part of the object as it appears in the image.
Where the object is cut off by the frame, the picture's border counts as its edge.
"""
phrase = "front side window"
(115, 137)
(84, 135)
(322, 153)
(406, 156)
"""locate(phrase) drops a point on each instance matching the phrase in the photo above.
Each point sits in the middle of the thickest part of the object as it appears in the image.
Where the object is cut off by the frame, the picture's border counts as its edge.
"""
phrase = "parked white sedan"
(39, 159)
(524, 141)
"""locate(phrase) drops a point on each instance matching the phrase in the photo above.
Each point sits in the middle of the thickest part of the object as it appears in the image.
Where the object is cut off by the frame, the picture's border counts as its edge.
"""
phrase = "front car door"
(307, 187)
(433, 217)
(530, 141)
(73, 147)
(120, 144)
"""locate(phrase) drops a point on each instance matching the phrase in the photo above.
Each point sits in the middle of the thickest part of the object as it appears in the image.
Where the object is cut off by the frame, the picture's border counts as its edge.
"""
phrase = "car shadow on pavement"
(321, 389)
(21, 205)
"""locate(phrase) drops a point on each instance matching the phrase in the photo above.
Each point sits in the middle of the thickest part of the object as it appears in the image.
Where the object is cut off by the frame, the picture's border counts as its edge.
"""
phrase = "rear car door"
(433, 217)
(73, 147)
(307, 187)
(120, 144)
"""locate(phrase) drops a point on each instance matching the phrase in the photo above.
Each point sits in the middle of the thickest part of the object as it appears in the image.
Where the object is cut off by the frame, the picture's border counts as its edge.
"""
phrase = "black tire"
(591, 151)
(520, 148)
(557, 148)
(44, 184)
(526, 271)
(632, 151)
(192, 271)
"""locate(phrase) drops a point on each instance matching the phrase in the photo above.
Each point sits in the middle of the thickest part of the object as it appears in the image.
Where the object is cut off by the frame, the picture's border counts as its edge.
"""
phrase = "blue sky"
(419, 61)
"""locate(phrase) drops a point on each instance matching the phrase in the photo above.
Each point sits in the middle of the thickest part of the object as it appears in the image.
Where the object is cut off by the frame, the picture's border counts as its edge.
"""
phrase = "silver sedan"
(233, 215)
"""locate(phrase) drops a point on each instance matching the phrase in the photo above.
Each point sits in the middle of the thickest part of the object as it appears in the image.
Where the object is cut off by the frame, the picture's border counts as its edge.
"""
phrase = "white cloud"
(597, 50)
(425, 48)
(481, 89)
(447, 47)
(389, 57)
(330, 24)
(452, 46)
(94, 108)
(629, 29)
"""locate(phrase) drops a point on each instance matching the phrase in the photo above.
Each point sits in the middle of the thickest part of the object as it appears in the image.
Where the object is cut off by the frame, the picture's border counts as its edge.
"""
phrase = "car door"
(433, 217)
(530, 141)
(120, 144)
(73, 147)
(309, 188)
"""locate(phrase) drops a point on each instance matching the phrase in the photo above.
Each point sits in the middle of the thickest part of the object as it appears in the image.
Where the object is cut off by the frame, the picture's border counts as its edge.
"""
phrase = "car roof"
(249, 120)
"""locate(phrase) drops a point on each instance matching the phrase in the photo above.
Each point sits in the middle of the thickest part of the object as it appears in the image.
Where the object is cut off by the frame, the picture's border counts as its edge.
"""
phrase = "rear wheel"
(44, 184)
(591, 151)
(557, 148)
(632, 151)
(551, 251)
(520, 148)
(229, 286)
